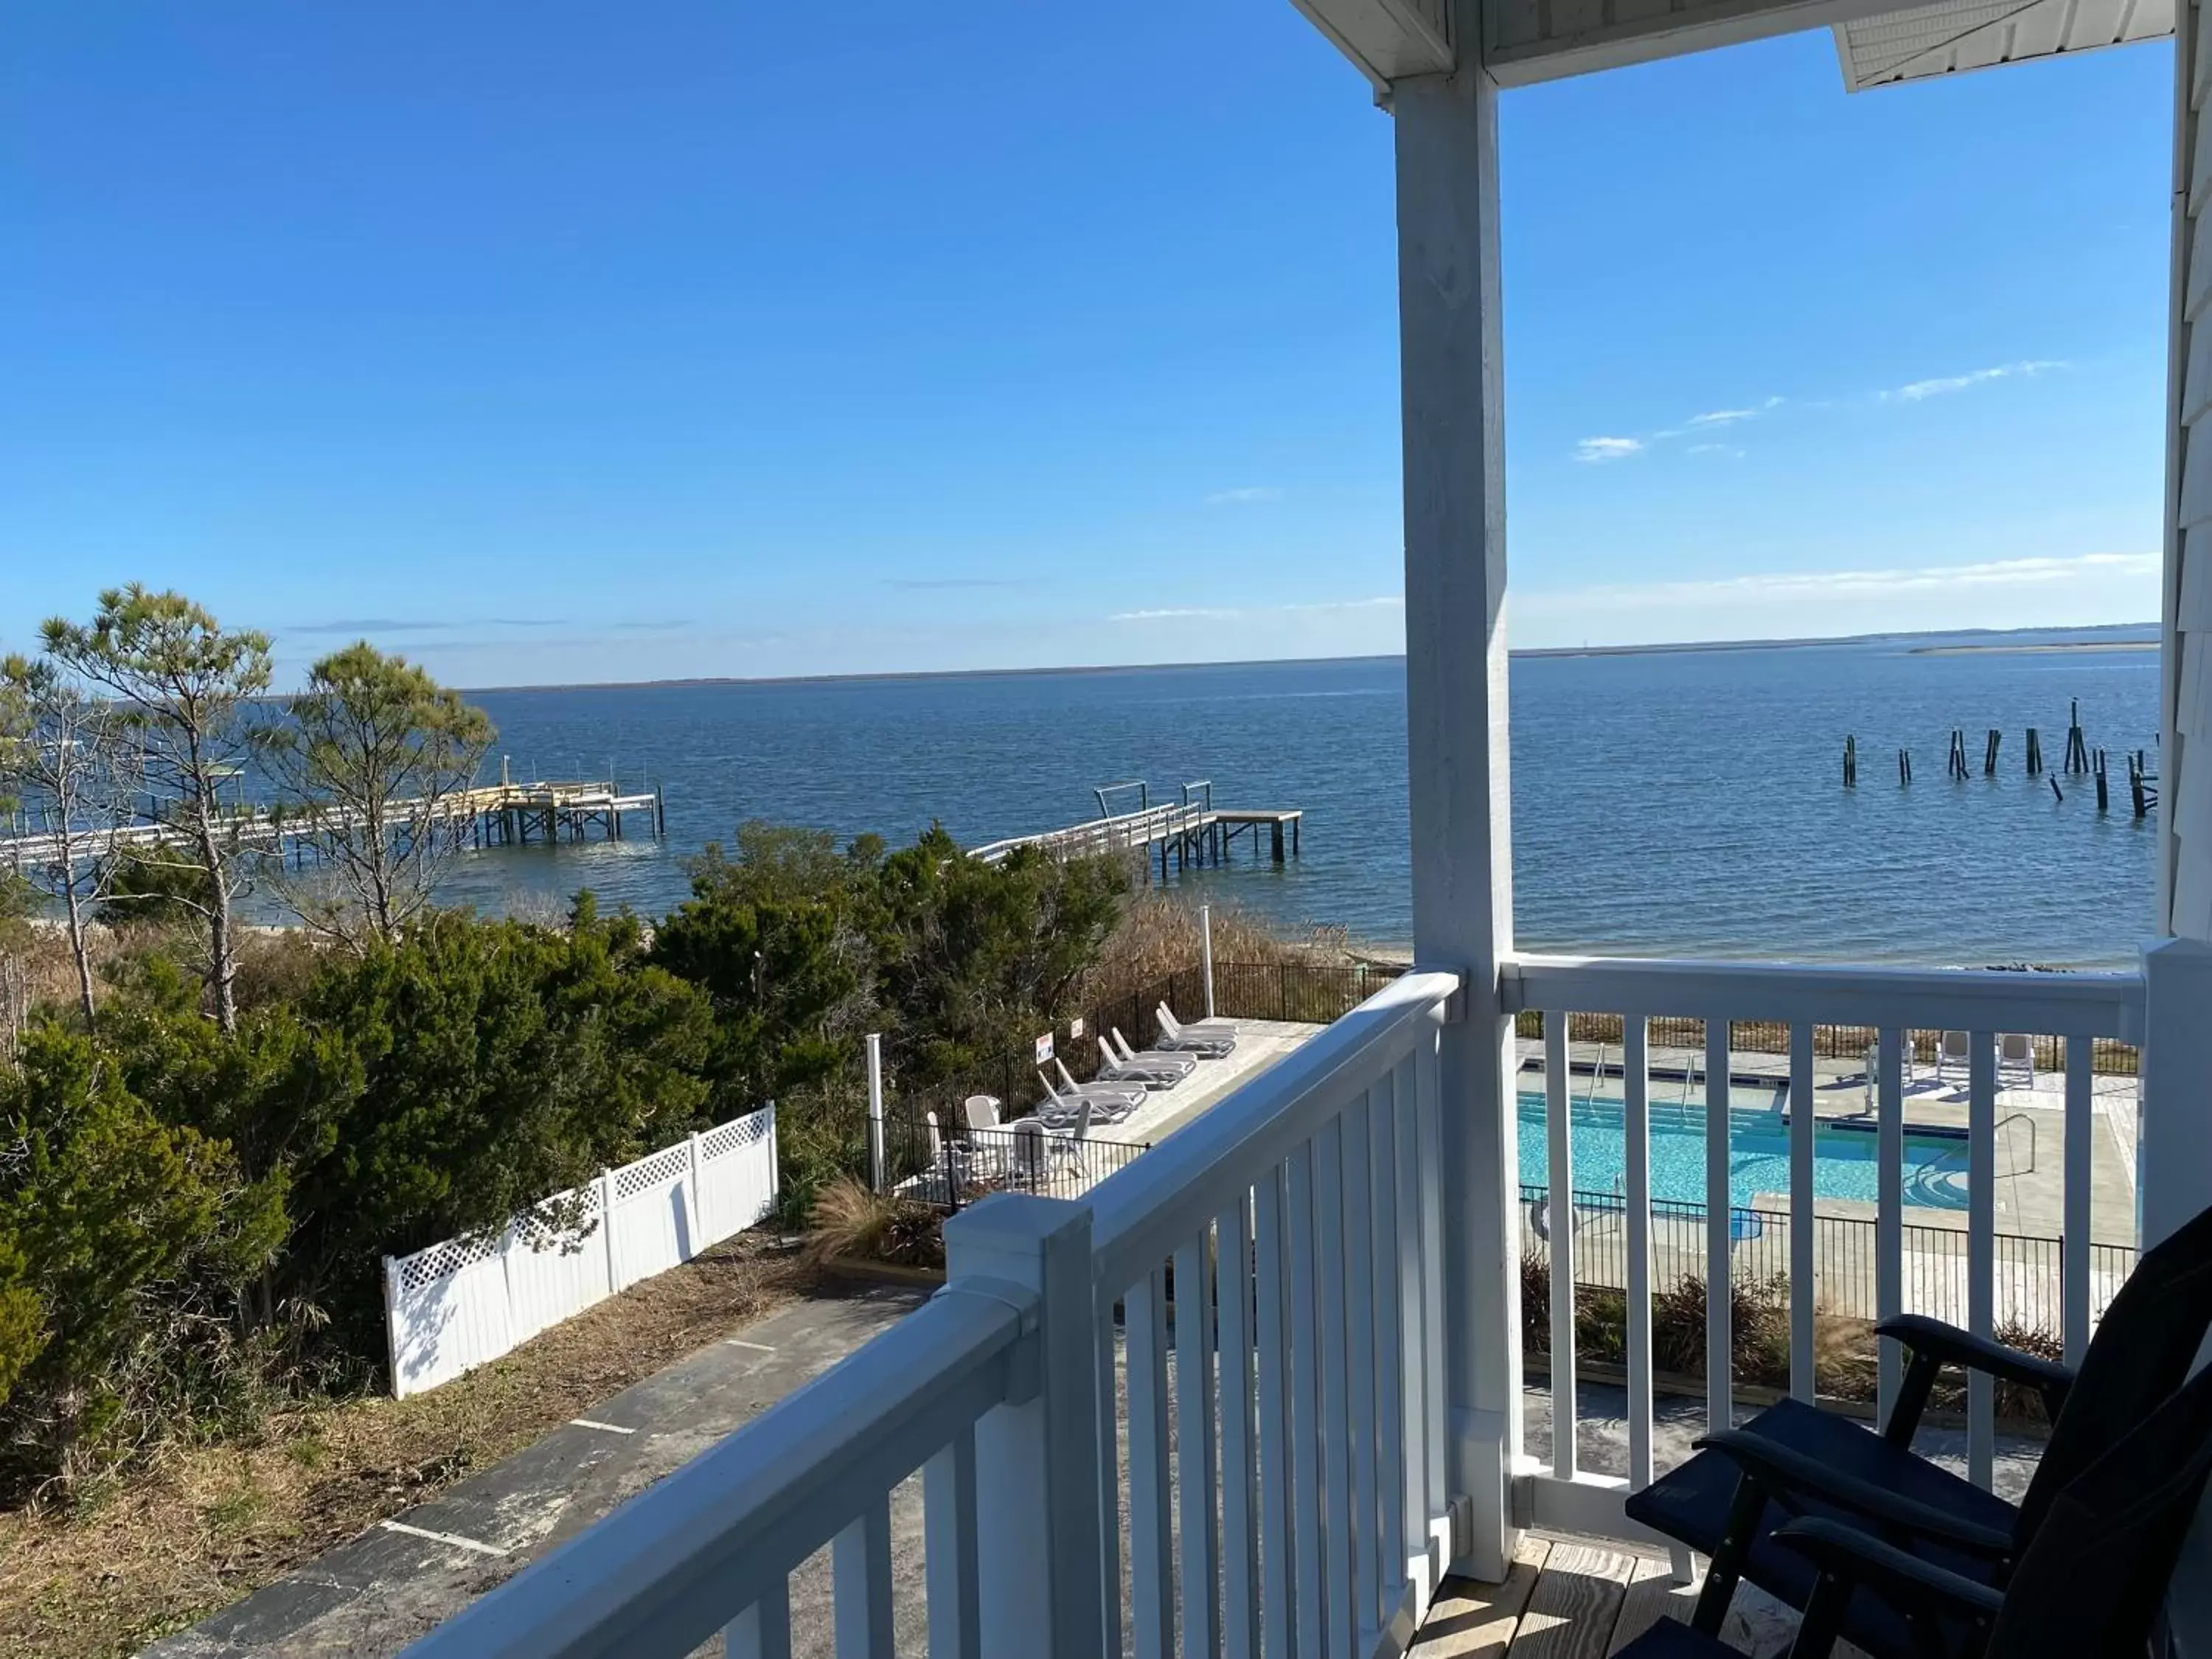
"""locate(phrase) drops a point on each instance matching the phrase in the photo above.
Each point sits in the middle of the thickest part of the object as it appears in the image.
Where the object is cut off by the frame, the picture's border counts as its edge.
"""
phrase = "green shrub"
(124, 1243)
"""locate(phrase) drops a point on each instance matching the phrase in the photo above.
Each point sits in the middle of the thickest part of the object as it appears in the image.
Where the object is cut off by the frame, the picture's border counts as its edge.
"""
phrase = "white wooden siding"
(2185, 784)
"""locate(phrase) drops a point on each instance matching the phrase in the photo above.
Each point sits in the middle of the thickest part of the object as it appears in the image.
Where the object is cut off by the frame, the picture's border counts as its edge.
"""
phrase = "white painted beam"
(1451, 357)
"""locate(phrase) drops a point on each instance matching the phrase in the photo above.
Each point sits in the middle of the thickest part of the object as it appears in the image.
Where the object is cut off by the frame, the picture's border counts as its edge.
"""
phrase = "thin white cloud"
(1723, 416)
(1917, 390)
(1226, 613)
(1730, 450)
(1248, 493)
(1845, 584)
(1600, 450)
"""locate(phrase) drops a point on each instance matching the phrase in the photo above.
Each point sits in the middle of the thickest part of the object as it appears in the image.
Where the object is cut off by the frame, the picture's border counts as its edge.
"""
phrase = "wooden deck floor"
(1572, 1598)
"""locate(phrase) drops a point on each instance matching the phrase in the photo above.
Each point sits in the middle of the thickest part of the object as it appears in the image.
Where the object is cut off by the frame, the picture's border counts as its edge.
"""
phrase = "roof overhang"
(1527, 41)
(1956, 35)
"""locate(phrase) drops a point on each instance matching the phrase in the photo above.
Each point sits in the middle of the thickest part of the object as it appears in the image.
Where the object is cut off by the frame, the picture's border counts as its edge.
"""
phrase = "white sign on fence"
(457, 1304)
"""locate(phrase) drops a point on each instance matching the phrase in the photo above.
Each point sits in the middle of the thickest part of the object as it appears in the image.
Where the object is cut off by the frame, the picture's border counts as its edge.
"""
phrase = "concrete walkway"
(373, 1596)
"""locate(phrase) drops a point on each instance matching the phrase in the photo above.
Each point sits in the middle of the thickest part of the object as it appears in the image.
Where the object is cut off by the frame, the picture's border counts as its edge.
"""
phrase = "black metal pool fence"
(2108, 1056)
(2030, 1270)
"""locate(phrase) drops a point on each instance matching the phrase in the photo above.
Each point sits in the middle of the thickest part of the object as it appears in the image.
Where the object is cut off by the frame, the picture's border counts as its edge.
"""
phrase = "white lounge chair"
(1110, 1102)
(1183, 1064)
(1954, 1052)
(2016, 1059)
(1153, 1071)
(1213, 1041)
(981, 1111)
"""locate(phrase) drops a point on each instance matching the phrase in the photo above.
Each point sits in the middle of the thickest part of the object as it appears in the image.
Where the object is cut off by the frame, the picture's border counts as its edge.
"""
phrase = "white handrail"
(2083, 1005)
(1141, 1215)
(688, 1556)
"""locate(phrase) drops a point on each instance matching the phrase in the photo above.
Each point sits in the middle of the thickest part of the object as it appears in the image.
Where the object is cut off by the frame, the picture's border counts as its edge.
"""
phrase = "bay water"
(1680, 802)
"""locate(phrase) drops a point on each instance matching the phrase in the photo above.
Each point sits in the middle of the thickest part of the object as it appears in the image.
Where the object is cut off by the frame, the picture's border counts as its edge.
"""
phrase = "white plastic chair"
(2016, 1059)
(1954, 1051)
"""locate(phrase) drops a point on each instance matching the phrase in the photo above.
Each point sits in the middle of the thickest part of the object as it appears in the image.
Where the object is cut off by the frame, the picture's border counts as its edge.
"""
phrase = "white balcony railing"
(2076, 1008)
(1261, 1288)
(1205, 1409)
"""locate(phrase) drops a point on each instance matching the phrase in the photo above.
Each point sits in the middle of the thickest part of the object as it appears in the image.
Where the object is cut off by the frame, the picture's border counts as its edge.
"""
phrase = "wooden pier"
(496, 815)
(1192, 834)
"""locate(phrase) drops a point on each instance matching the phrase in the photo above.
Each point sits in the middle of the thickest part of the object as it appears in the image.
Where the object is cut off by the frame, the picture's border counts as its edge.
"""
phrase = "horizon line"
(1658, 648)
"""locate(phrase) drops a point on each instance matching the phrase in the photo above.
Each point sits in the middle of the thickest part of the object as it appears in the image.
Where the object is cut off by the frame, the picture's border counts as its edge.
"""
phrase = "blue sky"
(549, 343)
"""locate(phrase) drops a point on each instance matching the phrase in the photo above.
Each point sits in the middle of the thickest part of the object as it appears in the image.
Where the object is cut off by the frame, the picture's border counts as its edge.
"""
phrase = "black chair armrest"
(1950, 1345)
(1899, 1577)
(1790, 1478)
(1934, 1345)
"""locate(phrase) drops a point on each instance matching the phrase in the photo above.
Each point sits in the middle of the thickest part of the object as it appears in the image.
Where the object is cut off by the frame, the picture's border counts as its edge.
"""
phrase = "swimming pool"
(1844, 1161)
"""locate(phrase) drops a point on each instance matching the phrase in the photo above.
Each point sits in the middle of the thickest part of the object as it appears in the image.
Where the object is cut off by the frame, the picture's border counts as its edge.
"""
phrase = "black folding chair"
(1793, 1460)
(2091, 1584)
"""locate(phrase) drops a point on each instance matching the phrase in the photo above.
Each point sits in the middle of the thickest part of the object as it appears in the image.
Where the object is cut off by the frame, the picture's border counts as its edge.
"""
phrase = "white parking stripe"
(611, 1428)
(441, 1538)
(739, 1342)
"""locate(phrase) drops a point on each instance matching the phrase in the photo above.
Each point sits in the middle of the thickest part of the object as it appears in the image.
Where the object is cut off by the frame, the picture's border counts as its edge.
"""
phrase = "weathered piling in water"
(1851, 763)
(1905, 766)
(1954, 762)
(2077, 746)
(1989, 753)
(2103, 802)
(2034, 754)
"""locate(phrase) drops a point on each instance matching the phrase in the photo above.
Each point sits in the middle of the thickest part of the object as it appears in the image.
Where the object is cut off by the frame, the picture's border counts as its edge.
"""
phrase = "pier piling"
(2034, 754)
(1851, 763)
(1989, 753)
(1904, 766)
(2103, 801)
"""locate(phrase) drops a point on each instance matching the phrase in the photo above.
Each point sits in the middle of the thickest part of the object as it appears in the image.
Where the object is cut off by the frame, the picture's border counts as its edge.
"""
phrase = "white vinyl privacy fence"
(457, 1304)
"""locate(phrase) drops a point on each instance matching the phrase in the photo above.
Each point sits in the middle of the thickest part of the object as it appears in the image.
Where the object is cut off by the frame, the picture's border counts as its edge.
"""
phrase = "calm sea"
(1681, 802)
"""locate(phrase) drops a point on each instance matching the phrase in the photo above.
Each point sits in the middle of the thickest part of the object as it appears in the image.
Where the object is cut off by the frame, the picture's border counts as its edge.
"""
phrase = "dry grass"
(1158, 935)
(849, 1220)
(209, 1525)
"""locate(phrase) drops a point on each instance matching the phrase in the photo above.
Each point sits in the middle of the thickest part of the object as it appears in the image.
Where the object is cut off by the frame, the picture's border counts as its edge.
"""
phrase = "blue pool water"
(1844, 1161)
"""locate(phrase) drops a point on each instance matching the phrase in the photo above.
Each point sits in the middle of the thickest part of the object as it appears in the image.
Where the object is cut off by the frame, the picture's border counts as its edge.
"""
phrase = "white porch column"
(1451, 371)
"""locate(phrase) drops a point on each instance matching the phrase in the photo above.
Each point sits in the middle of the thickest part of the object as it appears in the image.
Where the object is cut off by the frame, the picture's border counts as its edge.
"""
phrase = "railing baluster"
(1240, 1519)
(1276, 1530)
(1636, 1168)
(1152, 1558)
(860, 1563)
(1889, 1207)
(1335, 1417)
(1389, 1329)
(1305, 1391)
(1109, 1476)
(1560, 1210)
(1358, 1248)
(1414, 1335)
(948, 1491)
(1981, 1245)
(1430, 1115)
(762, 1630)
(1719, 1218)
(2080, 1137)
(1803, 1119)
(1201, 1593)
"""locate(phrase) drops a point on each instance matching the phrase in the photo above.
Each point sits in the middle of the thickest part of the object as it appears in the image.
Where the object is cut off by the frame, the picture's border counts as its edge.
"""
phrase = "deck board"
(1652, 1595)
(1468, 1620)
(1576, 1604)
(1583, 1598)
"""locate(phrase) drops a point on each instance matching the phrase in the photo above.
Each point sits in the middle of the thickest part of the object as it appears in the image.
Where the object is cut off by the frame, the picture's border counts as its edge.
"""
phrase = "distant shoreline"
(2048, 647)
(1997, 643)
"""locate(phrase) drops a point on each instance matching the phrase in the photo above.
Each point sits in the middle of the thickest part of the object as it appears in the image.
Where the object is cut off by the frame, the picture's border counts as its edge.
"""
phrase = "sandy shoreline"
(2063, 645)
